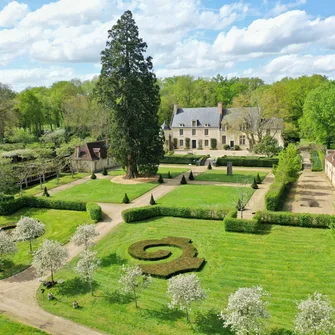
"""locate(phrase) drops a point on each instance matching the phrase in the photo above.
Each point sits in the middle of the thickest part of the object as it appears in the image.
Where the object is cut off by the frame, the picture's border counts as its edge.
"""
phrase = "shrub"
(275, 197)
(38, 202)
(296, 219)
(125, 199)
(209, 166)
(187, 142)
(231, 223)
(191, 177)
(226, 147)
(152, 200)
(169, 175)
(188, 261)
(94, 211)
(247, 161)
(183, 180)
(213, 143)
(258, 179)
(254, 184)
(317, 164)
(45, 192)
(184, 159)
(104, 172)
(93, 176)
(160, 179)
(6, 197)
(237, 147)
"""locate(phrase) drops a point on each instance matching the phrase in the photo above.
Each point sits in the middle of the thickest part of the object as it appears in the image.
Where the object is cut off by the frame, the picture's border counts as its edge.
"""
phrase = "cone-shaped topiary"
(104, 172)
(160, 179)
(191, 177)
(126, 199)
(258, 179)
(183, 180)
(45, 192)
(152, 200)
(254, 184)
(209, 166)
(169, 175)
(240, 205)
(93, 176)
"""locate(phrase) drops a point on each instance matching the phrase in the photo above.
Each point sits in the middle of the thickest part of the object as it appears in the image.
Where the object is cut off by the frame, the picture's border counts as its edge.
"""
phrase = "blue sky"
(46, 41)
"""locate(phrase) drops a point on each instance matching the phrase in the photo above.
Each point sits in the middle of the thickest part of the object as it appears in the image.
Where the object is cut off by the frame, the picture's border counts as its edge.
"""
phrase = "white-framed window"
(206, 132)
(194, 123)
(243, 127)
(181, 143)
(224, 139)
(181, 132)
(206, 143)
(242, 140)
(194, 132)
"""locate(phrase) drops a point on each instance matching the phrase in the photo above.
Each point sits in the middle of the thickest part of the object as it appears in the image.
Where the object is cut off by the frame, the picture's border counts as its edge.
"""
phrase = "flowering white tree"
(246, 311)
(7, 245)
(87, 265)
(84, 235)
(183, 290)
(51, 257)
(27, 229)
(133, 280)
(315, 316)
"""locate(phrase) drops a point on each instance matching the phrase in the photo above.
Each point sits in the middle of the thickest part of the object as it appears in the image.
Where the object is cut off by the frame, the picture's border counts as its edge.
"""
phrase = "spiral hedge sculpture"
(187, 262)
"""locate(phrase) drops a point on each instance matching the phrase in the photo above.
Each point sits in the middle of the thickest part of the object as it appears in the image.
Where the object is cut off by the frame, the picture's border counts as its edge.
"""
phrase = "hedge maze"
(187, 262)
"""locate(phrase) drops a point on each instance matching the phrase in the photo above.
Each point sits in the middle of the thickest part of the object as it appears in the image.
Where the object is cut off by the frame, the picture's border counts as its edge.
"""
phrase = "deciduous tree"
(85, 235)
(7, 246)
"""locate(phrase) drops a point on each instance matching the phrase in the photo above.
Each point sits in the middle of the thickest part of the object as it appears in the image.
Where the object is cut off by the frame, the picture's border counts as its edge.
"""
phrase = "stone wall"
(92, 166)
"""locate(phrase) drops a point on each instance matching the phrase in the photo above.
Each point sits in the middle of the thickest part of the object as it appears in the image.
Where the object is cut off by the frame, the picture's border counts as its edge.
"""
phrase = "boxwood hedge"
(184, 159)
(233, 224)
(247, 161)
(94, 211)
(275, 197)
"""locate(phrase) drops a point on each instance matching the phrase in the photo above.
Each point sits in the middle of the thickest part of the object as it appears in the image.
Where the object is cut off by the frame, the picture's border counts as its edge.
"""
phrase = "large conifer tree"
(129, 89)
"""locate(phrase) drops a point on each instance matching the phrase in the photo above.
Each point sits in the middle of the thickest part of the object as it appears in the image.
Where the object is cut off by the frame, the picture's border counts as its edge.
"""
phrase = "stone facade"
(330, 166)
(203, 127)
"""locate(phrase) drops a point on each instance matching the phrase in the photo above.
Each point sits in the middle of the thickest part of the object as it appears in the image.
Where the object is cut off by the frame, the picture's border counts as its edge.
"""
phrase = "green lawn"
(103, 190)
(60, 225)
(52, 183)
(289, 262)
(117, 172)
(204, 196)
(11, 327)
(237, 177)
(174, 171)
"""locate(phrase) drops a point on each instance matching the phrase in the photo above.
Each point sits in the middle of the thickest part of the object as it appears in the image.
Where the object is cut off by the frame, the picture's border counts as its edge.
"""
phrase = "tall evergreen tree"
(128, 88)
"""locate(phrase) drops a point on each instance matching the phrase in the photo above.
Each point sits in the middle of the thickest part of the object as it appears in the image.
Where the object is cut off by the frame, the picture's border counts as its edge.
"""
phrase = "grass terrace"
(173, 171)
(11, 327)
(60, 225)
(103, 190)
(289, 262)
(237, 177)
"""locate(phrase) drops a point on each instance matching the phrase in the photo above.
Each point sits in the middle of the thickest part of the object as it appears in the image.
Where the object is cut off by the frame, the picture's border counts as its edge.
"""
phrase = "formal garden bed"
(11, 327)
(288, 262)
(239, 176)
(104, 190)
(59, 225)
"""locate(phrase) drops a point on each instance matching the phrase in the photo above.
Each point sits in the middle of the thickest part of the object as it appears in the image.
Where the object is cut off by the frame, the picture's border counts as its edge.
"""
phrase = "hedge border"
(247, 161)
(184, 159)
(276, 196)
(187, 262)
(232, 224)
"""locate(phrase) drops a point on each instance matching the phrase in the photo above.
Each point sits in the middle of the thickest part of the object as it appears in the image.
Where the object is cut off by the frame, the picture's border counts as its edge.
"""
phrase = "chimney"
(220, 108)
(175, 109)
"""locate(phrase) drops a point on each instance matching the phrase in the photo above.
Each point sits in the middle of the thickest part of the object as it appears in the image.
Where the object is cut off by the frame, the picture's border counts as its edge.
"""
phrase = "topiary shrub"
(152, 200)
(104, 172)
(187, 142)
(125, 199)
(169, 175)
(94, 211)
(191, 177)
(45, 192)
(93, 176)
(213, 144)
(226, 147)
(183, 180)
(160, 179)
(254, 184)
(258, 179)
(237, 147)
(209, 166)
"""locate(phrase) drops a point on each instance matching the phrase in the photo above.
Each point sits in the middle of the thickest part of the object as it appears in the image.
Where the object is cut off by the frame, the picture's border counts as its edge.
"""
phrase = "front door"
(194, 144)
(232, 144)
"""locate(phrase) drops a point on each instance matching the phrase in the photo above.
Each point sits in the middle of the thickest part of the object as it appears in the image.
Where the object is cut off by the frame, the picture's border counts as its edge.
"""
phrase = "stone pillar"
(229, 169)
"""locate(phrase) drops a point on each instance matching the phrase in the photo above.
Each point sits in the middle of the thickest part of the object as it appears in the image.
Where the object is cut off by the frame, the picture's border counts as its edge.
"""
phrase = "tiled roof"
(91, 151)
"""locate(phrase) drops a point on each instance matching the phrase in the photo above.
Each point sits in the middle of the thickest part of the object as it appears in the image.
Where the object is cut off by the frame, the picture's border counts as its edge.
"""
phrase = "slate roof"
(165, 126)
(91, 151)
(207, 115)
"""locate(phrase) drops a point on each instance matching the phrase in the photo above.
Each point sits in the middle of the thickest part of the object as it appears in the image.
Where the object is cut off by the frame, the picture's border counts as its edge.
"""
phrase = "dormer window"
(194, 123)
(181, 125)
(207, 124)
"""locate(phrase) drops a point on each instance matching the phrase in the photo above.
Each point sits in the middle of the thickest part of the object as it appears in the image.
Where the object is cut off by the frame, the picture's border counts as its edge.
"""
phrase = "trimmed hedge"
(94, 211)
(316, 160)
(247, 161)
(188, 261)
(145, 213)
(296, 219)
(233, 224)
(275, 197)
(184, 159)
(6, 197)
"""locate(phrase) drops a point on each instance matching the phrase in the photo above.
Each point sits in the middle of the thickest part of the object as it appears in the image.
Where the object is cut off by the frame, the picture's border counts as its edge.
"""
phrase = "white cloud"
(12, 13)
(281, 8)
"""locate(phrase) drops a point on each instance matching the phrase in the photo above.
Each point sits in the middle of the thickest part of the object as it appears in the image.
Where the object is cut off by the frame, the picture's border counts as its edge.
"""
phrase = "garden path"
(18, 293)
